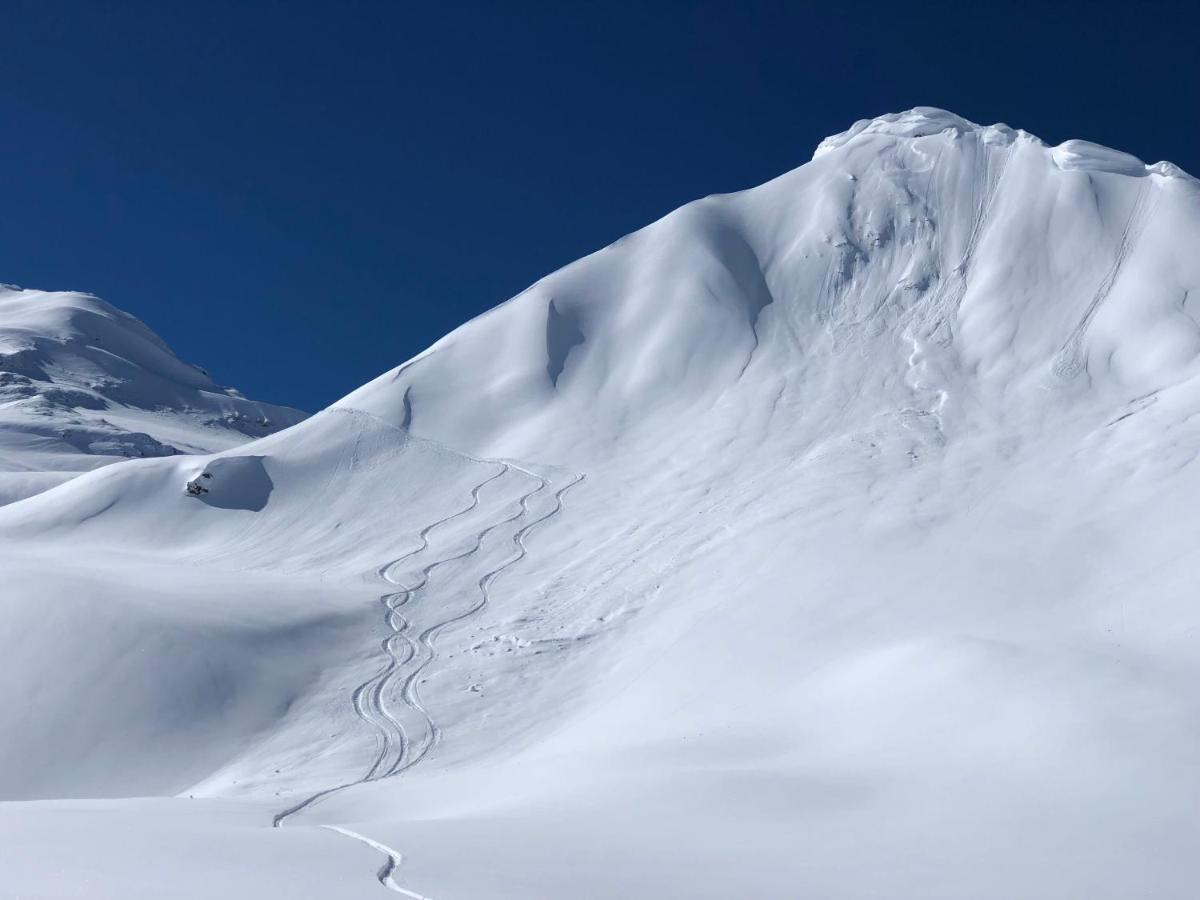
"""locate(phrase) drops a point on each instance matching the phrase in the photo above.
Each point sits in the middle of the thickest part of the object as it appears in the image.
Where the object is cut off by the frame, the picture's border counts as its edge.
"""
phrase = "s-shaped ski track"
(375, 687)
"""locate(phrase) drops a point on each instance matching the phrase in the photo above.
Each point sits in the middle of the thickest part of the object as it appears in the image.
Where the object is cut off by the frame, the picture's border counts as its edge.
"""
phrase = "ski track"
(368, 697)
(399, 627)
(932, 333)
(952, 287)
(427, 638)
(1070, 362)
(389, 729)
(384, 875)
(387, 737)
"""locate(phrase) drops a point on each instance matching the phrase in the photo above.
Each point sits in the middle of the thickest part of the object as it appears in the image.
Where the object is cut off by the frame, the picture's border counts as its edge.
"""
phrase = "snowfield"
(832, 539)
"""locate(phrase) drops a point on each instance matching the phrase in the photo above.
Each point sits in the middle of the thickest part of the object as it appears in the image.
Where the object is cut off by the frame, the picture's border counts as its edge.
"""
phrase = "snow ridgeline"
(932, 255)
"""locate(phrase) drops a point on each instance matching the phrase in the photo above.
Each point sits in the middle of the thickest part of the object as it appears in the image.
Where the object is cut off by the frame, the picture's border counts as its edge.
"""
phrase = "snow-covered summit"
(83, 383)
(921, 121)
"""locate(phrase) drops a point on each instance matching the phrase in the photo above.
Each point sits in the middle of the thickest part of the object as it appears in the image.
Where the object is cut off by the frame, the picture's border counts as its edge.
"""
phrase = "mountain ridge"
(892, 210)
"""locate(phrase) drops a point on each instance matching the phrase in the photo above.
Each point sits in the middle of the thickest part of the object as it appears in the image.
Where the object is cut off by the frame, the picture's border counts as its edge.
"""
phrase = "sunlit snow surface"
(834, 539)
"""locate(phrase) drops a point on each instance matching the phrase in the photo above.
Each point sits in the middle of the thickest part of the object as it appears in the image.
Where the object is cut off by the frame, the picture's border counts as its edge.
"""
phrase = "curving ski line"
(368, 696)
(399, 625)
(428, 637)
(384, 875)
(429, 529)
(403, 761)
(363, 691)
(390, 732)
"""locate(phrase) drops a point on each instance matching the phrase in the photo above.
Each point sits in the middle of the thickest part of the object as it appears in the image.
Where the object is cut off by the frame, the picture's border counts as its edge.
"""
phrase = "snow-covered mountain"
(83, 384)
(934, 259)
(829, 539)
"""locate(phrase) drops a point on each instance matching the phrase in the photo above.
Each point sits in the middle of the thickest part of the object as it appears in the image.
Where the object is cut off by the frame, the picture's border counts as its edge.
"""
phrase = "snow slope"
(83, 384)
(916, 252)
(831, 539)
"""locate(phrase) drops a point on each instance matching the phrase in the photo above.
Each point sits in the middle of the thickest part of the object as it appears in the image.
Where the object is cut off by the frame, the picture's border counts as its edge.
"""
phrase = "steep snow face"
(83, 384)
(957, 270)
(829, 539)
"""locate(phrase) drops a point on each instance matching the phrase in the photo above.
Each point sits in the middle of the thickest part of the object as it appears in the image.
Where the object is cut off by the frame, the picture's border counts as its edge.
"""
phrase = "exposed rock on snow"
(198, 485)
(232, 482)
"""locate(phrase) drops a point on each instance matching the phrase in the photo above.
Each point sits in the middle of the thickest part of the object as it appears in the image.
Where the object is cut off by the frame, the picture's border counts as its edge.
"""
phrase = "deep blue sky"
(298, 196)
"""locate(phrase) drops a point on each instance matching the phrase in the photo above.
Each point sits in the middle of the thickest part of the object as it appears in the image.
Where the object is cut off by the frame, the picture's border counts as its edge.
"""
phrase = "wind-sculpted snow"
(829, 539)
(924, 121)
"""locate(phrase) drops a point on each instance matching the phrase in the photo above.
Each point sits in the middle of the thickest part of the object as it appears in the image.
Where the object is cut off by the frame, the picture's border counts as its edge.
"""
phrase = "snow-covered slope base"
(83, 384)
(832, 539)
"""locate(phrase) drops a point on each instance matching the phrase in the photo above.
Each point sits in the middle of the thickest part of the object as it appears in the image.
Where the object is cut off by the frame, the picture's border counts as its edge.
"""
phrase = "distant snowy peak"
(79, 338)
(83, 383)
